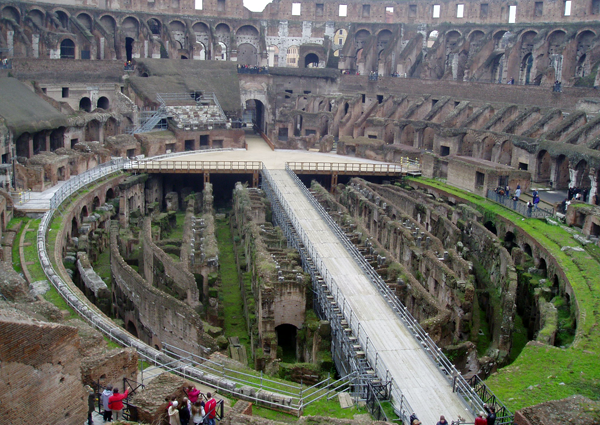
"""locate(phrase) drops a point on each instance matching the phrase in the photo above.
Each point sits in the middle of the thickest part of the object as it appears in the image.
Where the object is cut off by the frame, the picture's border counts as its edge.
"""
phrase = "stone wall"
(45, 357)
(155, 317)
(169, 274)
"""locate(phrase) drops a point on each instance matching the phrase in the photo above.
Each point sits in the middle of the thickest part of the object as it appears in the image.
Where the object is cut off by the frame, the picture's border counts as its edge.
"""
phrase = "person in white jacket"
(108, 391)
(174, 414)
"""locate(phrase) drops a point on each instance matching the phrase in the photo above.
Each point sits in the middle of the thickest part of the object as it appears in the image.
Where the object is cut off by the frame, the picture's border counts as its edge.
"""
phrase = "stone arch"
(63, 18)
(110, 128)
(85, 104)
(103, 103)
(428, 137)
(67, 49)
(510, 241)
(92, 131)
(432, 37)
(10, 12)
(505, 154)
(37, 17)
(130, 26)
(39, 142)
(497, 68)
(527, 249)
(491, 227)
(85, 20)
(311, 60)
(475, 38)
(544, 166)
(83, 213)
(155, 26)
(178, 32)
(57, 138)
(585, 42)
(247, 54)
(110, 194)
(555, 40)
(526, 70)
(407, 137)
(360, 38)
(466, 145)
(500, 38)
(223, 33)
(22, 144)
(132, 328)
(95, 203)
(74, 228)
(200, 51)
(487, 146)
(582, 175)
(383, 39)
(257, 109)
(109, 23)
(202, 33)
(562, 178)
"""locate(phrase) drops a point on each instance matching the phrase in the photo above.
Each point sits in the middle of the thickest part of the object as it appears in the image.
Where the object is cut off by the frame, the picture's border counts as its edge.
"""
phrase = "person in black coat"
(491, 414)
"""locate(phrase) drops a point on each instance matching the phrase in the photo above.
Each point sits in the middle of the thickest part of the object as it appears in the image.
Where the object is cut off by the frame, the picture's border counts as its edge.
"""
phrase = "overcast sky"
(256, 5)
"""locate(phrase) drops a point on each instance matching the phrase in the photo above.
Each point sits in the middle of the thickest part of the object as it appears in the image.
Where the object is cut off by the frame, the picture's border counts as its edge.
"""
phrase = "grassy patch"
(102, 266)
(233, 303)
(519, 339)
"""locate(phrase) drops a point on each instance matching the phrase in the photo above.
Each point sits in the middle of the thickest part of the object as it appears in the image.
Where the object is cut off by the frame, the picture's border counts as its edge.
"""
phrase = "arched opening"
(487, 147)
(39, 142)
(582, 175)
(84, 213)
(10, 12)
(346, 107)
(291, 58)
(526, 66)
(110, 127)
(505, 156)
(527, 249)
(154, 26)
(221, 53)
(298, 125)
(92, 131)
(555, 285)
(129, 48)
(407, 137)
(85, 104)
(74, 228)
(103, 103)
(110, 195)
(491, 227)
(95, 203)
(132, 329)
(286, 339)
(67, 49)
(509, 241)
(542, 267)
(428, 135)
(57, 138)
(254, 111)
(183, 57)
(497, 69)
(432, 38)
(544, 166)
(63, 19)
(562, 172)
(311, 61)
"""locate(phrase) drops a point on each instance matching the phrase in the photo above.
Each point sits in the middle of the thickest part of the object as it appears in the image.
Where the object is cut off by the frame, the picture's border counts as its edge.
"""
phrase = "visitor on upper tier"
(211, 409)
(192, 394)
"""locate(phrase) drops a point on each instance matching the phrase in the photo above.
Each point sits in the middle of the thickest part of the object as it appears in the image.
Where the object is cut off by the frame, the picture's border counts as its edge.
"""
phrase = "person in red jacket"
(481, 420)
(115, 402)
(211, 409)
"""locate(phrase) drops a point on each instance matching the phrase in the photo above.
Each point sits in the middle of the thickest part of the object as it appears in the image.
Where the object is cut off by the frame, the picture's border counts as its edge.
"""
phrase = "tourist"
(491, 414)
(536, 201)
(413, 418)
(192, 394)
(507, 191)
(211, 409)
(516, 197)
(442, 421)
(115, 402)
(529, 208)
(174, 414)
(91, 402)
(480, 419)
(185, 413)
(107, 414)
(198, 412)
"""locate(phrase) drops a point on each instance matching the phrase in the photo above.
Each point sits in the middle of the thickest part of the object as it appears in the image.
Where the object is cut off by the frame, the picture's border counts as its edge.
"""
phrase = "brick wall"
(40, 377)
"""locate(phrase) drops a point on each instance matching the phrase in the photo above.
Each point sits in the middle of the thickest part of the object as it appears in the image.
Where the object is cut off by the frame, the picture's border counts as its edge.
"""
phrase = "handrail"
(194, 165)
(356, 167)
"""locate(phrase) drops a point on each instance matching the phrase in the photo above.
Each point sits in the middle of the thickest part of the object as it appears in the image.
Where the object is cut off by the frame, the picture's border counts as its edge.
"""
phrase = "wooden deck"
(425, 388)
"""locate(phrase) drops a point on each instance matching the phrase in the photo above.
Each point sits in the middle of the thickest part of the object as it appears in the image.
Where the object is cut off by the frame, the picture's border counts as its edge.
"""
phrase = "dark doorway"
(67, 49)
(129, 48)
(286, 339)
(189, 145)
(132, 329)
(255, 110)
(85, 104)
(204, 141)
(311, 61)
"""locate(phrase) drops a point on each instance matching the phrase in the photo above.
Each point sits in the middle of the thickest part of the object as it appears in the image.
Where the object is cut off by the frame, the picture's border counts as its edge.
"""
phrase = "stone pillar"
(593, 187)
(572, 177)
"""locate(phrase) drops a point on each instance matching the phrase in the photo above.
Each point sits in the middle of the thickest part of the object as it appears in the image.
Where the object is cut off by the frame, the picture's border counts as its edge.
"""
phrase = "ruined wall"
(171, 274)
(155, 317)
(43, 356)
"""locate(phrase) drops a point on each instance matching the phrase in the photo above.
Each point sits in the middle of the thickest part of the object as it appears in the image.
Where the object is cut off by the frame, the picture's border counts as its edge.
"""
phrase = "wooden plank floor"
(426, 389)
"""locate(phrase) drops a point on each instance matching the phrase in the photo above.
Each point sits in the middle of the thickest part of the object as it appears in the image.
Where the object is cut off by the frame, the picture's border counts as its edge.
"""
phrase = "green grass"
(102, 266)
(537, 373)
(519, 339)
(177, 231)
(233, 303)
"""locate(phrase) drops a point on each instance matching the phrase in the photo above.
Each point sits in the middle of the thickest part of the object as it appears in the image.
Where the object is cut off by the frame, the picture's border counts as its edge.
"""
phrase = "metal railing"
(371, 357)
(356, 167)
(519, 206)
(194, 166)
(448, 370)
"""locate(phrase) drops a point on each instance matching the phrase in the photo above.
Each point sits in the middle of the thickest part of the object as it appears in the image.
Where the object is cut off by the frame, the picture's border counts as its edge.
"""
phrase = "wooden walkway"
(425, 388)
